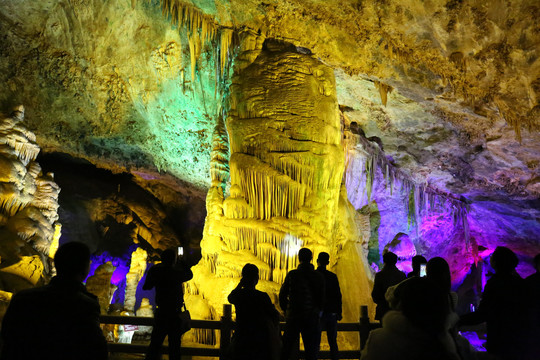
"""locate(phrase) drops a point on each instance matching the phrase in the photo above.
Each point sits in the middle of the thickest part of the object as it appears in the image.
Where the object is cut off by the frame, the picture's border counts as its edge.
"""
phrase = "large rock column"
(286, 168)
(29, 228)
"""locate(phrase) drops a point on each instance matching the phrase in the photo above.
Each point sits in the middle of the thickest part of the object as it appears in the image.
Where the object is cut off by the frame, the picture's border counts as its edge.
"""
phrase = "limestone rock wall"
(29, 226)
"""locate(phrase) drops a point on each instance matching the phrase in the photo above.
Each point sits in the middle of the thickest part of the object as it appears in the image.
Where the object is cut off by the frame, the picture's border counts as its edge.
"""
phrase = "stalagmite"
(28, 203)
(100, 285)
(286, 167)
(136, 272)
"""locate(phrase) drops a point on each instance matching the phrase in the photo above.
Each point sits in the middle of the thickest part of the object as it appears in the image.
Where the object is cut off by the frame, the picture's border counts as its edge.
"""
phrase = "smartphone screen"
(180, 251)
(422, 270)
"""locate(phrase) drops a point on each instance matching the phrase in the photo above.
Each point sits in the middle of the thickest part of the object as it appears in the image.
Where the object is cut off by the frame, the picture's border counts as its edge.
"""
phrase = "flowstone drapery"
(286, 169)
(29, 226)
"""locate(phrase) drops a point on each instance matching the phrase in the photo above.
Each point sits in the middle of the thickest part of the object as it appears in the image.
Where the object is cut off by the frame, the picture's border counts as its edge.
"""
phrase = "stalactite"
(28, 198)
(384, 90)
(219, 157)
(421, 199)
(201, 28)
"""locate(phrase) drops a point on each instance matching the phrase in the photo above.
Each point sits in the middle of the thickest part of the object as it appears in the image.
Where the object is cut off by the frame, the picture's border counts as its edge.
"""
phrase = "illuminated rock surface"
(28, 208)
(437, 131)
(286, 167)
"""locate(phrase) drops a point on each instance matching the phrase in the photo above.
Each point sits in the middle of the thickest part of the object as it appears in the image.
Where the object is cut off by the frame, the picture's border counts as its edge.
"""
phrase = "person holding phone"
(417, 262)
(423, 270)
(167, 278)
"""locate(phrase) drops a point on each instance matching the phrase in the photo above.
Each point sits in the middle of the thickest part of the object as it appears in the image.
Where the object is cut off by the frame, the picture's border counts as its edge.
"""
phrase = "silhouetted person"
(390, 275)
(533, 286)
(418, 331)
(257, 335)
(503, 307)
(302, 298)
(167, 277)
(59, 320)
(332, 303)
(417, 261)
(438, 271)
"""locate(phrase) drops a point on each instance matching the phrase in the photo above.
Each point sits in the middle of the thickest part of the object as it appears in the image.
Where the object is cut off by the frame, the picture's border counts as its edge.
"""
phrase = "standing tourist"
(302, 298)
(503, 307)
(257, 335)
(390, 275)
(57, 321)
(332, 304)
(167, 278)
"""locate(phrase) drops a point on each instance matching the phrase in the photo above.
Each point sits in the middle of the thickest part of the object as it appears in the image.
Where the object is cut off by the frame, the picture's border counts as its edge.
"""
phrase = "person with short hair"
(503, 307)
(301, 297)
(167, 278)
(59, 320)
(389, 276)
(332, 310)
(416, 262)
(257, 335)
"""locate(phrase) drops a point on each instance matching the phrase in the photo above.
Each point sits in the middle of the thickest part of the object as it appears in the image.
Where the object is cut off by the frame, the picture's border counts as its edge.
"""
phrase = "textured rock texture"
(29, 228)
(439, 101)
(285, 188)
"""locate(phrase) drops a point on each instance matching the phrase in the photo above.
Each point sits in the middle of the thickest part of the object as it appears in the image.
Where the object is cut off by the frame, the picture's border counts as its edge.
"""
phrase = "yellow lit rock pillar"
(286, 168)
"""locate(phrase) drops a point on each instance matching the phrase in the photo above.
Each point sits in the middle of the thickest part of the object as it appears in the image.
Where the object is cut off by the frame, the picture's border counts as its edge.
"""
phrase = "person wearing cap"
(332, 304)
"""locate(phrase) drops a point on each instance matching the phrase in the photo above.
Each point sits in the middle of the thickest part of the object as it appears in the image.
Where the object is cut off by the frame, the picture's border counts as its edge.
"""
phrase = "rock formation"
(436, 136)
(29, 226)
(100, 285)
(286, 168)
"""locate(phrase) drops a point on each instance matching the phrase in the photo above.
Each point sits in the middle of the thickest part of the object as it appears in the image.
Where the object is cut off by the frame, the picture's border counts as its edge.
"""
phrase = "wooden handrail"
(226, 325)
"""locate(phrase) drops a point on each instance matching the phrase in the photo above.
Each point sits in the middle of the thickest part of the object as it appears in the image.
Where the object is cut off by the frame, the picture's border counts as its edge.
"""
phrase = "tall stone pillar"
(286, 168)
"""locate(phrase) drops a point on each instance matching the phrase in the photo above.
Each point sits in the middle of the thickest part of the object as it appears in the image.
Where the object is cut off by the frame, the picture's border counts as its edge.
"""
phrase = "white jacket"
(399, 339)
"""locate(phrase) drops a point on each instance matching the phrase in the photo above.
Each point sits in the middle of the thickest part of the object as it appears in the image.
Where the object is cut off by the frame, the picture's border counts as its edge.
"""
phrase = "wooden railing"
(225, 327)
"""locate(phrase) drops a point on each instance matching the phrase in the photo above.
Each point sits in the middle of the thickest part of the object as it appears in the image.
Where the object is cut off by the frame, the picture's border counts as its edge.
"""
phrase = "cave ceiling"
(450, 88)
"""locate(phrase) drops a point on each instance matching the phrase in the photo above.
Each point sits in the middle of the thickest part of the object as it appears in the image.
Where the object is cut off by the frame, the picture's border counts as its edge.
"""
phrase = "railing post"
(226, 328)
(364, 327)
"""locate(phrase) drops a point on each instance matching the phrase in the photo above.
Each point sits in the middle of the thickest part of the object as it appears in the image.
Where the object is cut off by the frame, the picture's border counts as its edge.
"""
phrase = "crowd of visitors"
(417, 312)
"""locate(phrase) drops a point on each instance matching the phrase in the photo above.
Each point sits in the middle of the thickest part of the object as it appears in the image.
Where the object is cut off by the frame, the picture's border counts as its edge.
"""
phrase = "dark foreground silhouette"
(59, 320)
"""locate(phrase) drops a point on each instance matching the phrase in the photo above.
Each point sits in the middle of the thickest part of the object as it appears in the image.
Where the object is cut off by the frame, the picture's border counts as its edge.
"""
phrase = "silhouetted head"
(416, 262)
(305, 255)
(389, 258)
(72, 260)
(536, 262)
(168, 257)
(425, 304)
(323, 259)
(250, 274)
(438, 271)
(503, 260)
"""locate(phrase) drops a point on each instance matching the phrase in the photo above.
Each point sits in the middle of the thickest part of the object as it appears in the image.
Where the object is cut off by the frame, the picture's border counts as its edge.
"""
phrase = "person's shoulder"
(331, 274)
(157, 267)
(262, 295)
(31, 294)
(292, 273)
